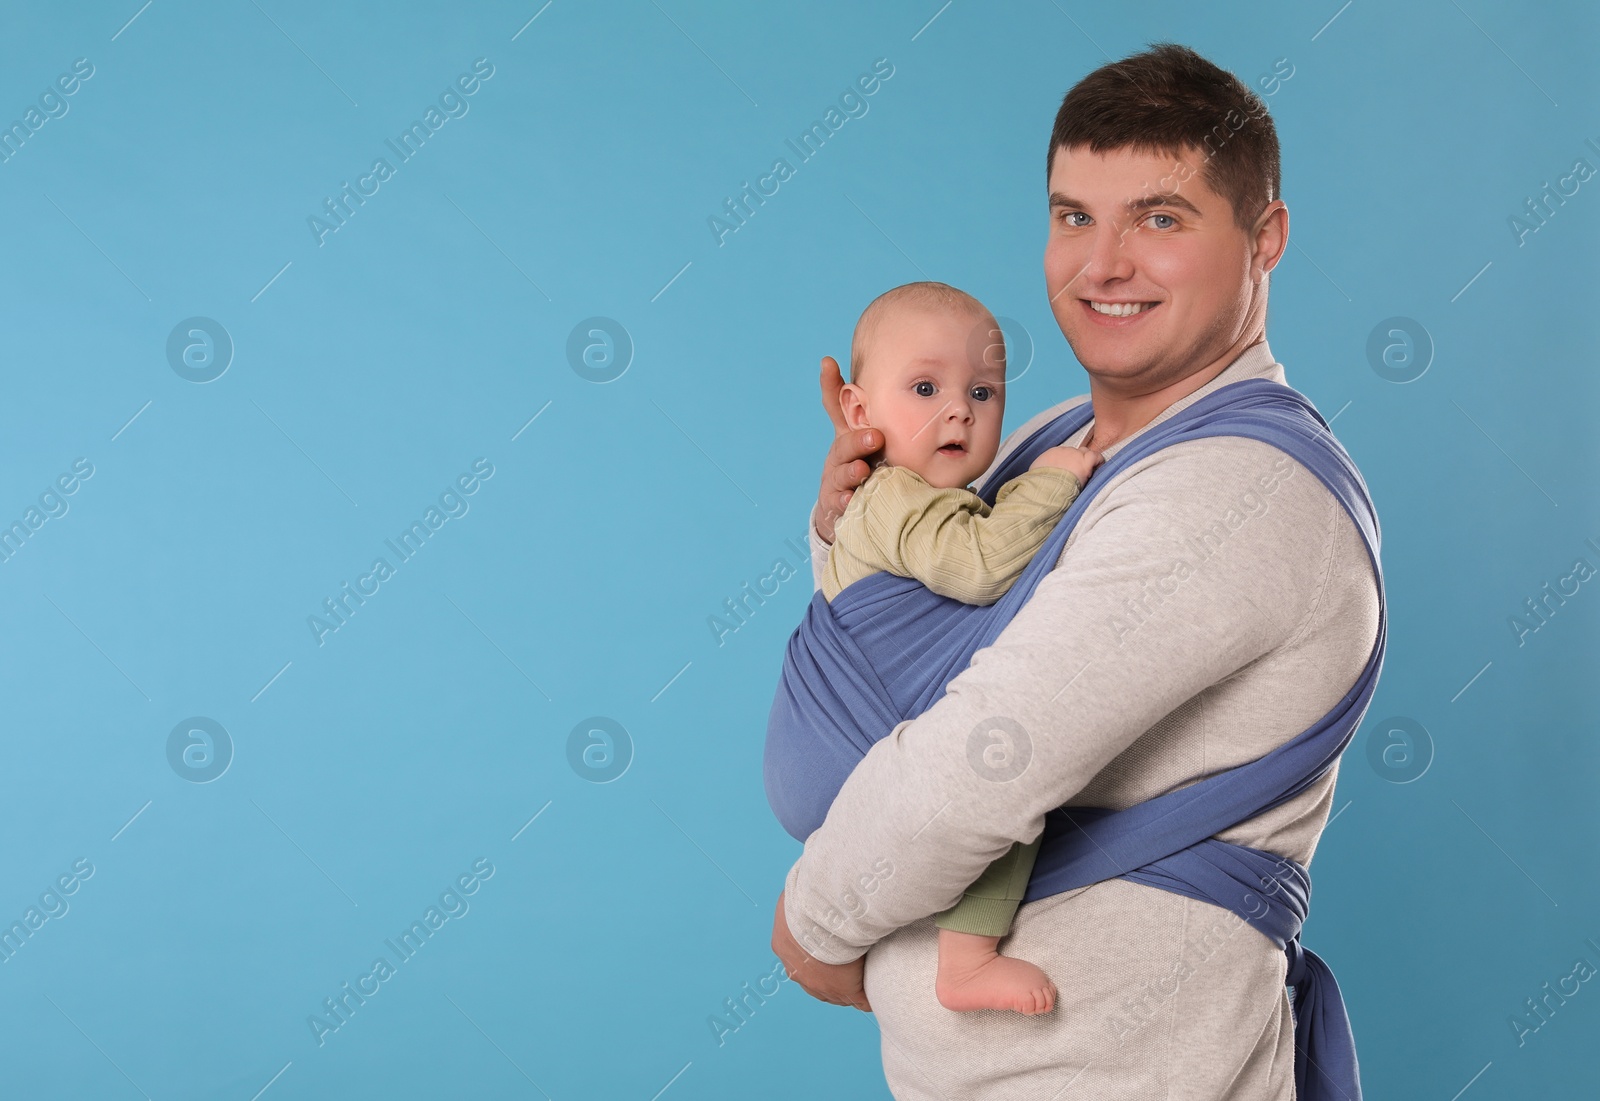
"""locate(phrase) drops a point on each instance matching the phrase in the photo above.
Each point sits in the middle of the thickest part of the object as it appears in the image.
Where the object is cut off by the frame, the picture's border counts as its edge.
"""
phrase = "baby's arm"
(1080, 460)
(953, 542)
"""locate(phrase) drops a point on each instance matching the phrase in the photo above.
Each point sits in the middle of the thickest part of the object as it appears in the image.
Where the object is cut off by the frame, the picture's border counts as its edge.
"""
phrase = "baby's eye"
(983, 393)
(928, 393)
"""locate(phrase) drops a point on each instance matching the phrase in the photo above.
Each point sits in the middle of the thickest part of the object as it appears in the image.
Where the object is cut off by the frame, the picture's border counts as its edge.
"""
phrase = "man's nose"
(1109, 257)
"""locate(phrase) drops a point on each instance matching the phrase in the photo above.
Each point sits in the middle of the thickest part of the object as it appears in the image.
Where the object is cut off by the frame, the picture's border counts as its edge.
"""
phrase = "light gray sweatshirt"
(1213, 602)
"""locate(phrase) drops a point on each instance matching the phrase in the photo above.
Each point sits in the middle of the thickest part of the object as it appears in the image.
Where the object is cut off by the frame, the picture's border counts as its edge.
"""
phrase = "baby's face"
(931, 393)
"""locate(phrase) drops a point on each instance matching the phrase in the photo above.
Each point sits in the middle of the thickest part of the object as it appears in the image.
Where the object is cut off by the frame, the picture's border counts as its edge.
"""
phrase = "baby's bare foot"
(975, 976)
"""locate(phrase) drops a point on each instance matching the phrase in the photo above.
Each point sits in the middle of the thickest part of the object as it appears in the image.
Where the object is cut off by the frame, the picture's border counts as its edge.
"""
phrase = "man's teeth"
(1120, 309)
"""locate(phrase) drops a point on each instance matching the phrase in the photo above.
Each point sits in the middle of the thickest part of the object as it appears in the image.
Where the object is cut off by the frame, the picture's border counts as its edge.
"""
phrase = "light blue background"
(427, 332)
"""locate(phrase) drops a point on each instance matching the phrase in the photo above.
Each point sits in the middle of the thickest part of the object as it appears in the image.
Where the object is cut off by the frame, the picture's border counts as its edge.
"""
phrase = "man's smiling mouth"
(1119, 309)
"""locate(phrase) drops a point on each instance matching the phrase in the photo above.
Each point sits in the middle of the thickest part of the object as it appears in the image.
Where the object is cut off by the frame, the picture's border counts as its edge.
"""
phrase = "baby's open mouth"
(952, 449)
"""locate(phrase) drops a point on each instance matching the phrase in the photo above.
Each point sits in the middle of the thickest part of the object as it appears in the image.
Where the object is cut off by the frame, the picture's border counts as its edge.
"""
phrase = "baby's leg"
(972, 972)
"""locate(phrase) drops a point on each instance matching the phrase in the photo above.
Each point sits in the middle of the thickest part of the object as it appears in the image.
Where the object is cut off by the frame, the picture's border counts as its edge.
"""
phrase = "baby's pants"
(991, 902)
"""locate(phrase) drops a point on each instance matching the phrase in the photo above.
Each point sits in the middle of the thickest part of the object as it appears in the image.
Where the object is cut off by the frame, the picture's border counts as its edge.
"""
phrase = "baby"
(938, 396)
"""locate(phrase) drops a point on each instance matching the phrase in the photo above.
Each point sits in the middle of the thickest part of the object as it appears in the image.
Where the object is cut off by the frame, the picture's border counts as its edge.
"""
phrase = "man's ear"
(1271, 237)
(852, 403)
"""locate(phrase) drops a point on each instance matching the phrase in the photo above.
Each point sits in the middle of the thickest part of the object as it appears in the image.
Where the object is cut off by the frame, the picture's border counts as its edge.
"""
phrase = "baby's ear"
(853, 406)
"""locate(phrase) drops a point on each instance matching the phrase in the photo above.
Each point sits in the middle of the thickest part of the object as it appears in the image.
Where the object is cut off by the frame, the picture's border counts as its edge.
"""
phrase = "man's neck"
(1119, 412)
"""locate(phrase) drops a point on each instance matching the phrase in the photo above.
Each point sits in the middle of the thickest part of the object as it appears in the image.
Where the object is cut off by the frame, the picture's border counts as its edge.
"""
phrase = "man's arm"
(1172, 583)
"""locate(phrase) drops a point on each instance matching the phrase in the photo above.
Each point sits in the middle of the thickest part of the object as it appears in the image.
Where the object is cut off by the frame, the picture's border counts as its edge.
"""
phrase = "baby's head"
(928, 370)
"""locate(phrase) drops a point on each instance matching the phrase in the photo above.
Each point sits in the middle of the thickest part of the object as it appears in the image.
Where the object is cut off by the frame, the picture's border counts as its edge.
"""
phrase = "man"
(1213, 602)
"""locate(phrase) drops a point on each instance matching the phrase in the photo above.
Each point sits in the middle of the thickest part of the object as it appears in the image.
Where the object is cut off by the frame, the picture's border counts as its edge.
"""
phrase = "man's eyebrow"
(1147, 202)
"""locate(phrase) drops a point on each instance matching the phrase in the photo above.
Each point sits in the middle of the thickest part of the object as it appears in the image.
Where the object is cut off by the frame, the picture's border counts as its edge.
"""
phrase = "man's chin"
(1111, 359)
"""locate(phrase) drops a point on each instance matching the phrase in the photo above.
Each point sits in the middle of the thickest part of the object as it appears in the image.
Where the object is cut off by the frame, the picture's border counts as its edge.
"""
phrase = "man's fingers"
(839, 482)
(847, 458)
(845, 466)
(854, 473)
(855, 445)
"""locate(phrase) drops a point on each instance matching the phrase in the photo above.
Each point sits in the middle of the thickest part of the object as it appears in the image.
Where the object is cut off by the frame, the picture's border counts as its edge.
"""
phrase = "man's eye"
(982, 393)
(1068, 215)
(928, 393)
(1168, 217)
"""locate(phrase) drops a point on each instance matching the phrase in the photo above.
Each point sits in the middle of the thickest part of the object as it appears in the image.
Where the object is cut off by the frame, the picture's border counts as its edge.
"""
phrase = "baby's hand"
(1080, 461)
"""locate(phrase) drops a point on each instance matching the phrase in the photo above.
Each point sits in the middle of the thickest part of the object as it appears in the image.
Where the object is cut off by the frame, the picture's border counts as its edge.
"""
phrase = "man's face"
(928, 385)
(1175, 255)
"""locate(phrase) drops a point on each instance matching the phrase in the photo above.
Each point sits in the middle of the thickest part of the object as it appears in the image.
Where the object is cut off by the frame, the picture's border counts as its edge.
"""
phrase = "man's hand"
(1080, 461)
(837, 983)
(846, 466)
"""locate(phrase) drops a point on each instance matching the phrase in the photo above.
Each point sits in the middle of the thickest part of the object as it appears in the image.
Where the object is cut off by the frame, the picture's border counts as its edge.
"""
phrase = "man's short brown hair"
(1167, 100)
(929, 293)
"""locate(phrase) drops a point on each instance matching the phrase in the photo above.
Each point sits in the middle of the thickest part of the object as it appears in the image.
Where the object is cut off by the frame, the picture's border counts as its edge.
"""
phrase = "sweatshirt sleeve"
(819, 551)
(951, 540)
(1171, 583)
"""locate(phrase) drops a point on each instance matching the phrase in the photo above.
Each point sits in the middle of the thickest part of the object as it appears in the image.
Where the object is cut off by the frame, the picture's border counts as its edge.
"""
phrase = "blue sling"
(886, 648)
